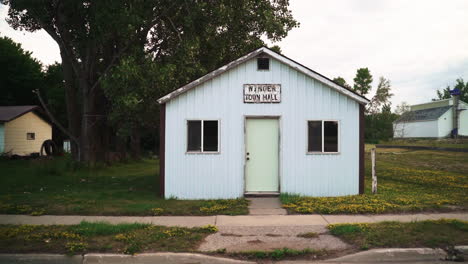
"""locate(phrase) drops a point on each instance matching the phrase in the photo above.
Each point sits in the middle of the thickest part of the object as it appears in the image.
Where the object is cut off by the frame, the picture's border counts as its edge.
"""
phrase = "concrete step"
(272, 211)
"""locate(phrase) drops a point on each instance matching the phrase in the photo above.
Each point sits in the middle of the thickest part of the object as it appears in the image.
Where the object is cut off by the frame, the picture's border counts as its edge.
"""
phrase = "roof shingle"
(8, 113)
(424, 114)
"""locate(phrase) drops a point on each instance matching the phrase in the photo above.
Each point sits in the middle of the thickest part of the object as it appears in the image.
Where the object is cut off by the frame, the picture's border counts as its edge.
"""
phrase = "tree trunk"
(71, 97)
(135, 143)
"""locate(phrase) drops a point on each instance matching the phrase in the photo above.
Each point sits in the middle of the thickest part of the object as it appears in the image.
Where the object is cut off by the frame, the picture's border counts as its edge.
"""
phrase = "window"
(202, 136)
(263, 64)
(30, 136)
(322, 136)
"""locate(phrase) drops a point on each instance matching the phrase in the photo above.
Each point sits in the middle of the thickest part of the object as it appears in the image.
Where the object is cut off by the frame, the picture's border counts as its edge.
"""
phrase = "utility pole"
(455, 116)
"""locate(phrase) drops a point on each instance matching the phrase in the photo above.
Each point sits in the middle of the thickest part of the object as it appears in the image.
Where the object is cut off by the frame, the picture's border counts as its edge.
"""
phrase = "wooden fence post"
(374, 176)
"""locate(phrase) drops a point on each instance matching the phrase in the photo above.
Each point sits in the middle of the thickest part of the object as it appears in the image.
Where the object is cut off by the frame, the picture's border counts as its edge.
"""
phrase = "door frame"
(244, 153)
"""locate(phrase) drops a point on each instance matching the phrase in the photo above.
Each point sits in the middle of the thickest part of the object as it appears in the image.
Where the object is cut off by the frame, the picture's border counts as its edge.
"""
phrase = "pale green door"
(262, 151)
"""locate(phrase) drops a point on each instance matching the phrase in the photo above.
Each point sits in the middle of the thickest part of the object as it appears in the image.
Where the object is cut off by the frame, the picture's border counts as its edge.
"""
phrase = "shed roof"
(264, 50)
(424, 114)
(8, 113)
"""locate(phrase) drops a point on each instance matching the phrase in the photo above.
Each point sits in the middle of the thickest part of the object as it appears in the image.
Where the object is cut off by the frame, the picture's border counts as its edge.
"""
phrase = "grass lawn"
(434, 234)
(58, 187)
(408, 181)
(100, 237)
(441, 143)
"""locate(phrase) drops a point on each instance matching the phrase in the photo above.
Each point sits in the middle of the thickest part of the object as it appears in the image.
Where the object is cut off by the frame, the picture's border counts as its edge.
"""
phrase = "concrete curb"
(397, 255)
(386, 255)
(39, 258)
(147, 258)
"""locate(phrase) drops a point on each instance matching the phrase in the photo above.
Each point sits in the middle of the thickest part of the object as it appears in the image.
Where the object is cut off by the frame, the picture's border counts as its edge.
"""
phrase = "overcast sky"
(421, 46)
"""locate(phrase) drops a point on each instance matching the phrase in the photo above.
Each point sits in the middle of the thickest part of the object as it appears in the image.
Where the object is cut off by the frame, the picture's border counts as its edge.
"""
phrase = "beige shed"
(22, 130)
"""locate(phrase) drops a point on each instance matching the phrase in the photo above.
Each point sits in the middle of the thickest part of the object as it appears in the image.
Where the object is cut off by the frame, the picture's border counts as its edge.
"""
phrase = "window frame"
(322, 152)
(31, 133)
(201, 151)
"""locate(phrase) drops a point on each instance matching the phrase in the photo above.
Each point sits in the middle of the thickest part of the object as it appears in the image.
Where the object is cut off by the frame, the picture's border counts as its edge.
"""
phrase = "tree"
(460, 84)
(379, 126)
(20, 74)
(362, 81)
(341, 81)
(54, 96)
(382, 97)
(402, 108)
(94, 37)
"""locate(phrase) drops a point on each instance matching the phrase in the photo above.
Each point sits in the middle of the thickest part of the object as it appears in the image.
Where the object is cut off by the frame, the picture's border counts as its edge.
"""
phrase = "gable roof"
(424, 114)
(8, 113)
(264, 50)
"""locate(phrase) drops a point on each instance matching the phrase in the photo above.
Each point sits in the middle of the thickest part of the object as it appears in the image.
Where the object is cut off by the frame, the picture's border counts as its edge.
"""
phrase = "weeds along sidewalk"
(224, 220)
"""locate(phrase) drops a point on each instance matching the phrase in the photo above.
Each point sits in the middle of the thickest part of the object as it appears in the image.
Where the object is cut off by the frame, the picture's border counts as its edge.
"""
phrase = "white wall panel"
(203, 176)
(445, 124)
(416, 129)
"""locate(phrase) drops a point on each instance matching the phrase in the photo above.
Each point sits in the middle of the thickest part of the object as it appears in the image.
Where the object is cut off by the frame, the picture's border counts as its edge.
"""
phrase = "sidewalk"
(225, 220)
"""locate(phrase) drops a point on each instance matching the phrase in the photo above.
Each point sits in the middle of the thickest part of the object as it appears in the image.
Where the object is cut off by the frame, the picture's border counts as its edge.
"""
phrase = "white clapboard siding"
(203, 176)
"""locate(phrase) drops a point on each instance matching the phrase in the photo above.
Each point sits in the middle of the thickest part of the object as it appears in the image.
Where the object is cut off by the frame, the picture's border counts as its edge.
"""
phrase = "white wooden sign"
(262, 93)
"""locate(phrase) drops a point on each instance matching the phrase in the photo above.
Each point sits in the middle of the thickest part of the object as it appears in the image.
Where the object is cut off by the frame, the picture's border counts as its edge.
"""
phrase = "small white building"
(431, 120)
(262, 124)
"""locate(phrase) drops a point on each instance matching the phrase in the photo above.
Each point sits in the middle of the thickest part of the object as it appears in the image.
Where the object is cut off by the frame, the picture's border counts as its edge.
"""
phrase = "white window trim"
(201, 151)
(323, 138)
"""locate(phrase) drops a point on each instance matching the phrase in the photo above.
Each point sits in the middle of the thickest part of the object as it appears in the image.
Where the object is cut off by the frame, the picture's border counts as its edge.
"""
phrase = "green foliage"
(341, 229)
(277, 254)
(289, 197)
(126, 188)
(440, 143)
(408, 181)
(341, 81)
(53, 94)
(379, 126)
(75, 247)
(100, 237)
(227, 206)
(460, 84)
(20, 74)
(431, 233)
(402, 108)
(381, 99)
(88, 229)
(363, 81)
(142, 49)
(308, 235)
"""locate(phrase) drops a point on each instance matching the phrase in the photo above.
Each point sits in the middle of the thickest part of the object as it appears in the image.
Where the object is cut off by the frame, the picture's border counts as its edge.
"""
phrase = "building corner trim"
(361, 150)
(162, 149)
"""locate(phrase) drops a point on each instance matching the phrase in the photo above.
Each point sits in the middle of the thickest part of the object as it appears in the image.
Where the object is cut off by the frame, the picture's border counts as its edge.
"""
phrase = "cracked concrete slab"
(237, 239)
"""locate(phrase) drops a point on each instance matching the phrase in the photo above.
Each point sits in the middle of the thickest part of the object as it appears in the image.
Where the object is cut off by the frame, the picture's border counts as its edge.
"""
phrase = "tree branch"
(114, 59)
(52, 118)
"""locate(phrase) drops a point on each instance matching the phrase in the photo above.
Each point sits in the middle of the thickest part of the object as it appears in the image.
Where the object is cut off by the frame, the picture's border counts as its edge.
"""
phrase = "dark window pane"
(263, 63)
(314, 136)
(331, 136)
(210, 135)
(194, 136)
